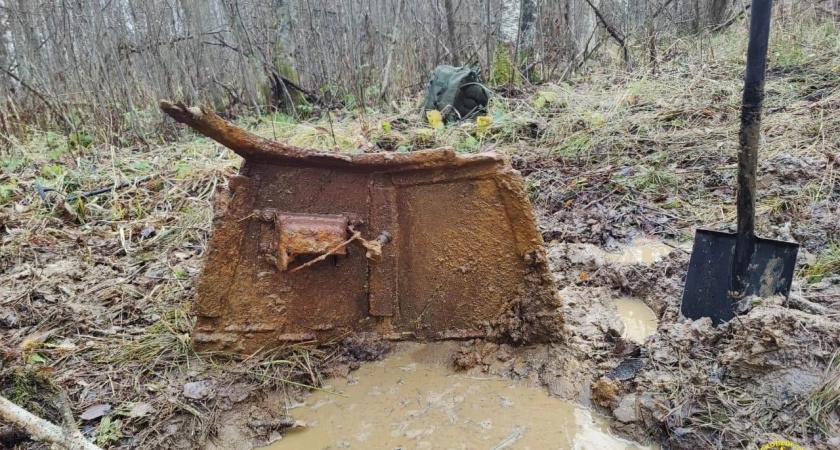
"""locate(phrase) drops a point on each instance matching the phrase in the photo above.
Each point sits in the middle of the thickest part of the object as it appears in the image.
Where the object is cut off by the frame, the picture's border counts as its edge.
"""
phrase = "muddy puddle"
(639, 320)
(415, 400)
(642, 250)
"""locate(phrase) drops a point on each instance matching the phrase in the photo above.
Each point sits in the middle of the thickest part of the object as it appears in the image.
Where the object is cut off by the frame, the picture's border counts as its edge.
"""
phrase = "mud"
(639, 320)
(415, 399)
(676, 383)
(642, 250)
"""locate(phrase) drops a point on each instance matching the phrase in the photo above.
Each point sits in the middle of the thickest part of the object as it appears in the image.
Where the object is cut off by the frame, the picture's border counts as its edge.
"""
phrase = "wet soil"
(429, 395)
(638, 319)
(415, 399)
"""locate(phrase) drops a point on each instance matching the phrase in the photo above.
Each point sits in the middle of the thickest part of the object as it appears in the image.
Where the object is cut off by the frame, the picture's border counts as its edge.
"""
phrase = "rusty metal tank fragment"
(313, 246)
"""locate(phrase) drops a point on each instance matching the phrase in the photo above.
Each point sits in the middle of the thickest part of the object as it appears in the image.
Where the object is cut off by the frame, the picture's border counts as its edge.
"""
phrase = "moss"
(28, 389)
(503, 68)
(285, 68)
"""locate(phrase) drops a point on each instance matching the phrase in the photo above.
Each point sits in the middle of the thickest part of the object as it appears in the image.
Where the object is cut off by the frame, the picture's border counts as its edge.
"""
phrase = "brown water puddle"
(639, 320)
(642, 250)
(414, 399)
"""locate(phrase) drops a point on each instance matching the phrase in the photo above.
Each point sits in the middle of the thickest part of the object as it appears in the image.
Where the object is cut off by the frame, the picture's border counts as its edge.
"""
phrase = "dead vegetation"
(95, 290)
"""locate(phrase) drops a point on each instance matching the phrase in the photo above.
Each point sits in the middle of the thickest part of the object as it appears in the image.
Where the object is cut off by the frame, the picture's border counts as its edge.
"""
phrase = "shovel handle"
(749, 138)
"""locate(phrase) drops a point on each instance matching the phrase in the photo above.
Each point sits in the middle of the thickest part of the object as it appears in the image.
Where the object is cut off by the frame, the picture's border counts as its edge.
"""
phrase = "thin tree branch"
(41, 429)
(731, 20)
(613, 32)
(42, 97)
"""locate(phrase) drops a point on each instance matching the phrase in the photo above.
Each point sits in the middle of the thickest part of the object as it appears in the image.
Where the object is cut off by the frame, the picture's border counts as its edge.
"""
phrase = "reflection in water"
(639, 321)
(415, 400)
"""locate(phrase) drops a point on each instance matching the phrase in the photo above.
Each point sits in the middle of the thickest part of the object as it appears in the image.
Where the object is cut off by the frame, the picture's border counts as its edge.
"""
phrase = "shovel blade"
(709, 276)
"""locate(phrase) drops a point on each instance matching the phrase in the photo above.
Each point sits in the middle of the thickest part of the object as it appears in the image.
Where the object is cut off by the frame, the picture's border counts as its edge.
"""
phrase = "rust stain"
(446, 247)
(309, 234)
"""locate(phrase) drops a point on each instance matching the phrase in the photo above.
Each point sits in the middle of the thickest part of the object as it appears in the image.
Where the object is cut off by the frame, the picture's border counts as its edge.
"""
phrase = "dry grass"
(824, 403)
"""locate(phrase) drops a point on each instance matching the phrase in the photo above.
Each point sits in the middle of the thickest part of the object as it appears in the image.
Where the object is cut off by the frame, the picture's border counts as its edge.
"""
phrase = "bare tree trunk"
(450, 26)
(488, 41)
(509, 21)
(718, 12)
(525, 32)
(387, 71)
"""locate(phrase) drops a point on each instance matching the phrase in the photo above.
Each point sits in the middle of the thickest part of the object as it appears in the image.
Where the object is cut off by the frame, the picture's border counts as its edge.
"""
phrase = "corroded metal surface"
(309, 234)
(312, 245)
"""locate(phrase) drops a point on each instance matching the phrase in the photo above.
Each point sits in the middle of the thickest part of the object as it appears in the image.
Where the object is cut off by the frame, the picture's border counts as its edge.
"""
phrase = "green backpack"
(456, 93)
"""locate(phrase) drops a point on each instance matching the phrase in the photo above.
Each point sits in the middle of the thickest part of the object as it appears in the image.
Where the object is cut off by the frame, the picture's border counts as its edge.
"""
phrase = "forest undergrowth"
(95, 288)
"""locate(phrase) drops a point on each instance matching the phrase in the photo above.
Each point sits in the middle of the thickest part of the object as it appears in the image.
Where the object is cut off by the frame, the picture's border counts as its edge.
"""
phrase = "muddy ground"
(95, 294)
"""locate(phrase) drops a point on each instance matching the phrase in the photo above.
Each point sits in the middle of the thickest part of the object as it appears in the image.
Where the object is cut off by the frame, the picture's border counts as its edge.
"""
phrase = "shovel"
(727, 268)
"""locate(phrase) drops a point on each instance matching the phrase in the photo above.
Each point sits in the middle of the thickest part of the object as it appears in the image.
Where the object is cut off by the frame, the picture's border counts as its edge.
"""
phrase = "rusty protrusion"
(420, 245)
(309, 234)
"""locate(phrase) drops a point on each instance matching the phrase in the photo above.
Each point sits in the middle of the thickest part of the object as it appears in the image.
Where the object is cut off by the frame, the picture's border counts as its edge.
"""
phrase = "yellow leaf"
(386, 126)
(435, 118)
(483, 122)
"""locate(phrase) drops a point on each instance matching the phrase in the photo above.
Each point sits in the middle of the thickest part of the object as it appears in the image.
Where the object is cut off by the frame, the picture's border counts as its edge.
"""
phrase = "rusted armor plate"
(426, 245)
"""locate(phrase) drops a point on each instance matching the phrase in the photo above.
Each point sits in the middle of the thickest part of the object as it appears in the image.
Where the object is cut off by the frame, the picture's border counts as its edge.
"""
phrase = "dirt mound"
(746, 383)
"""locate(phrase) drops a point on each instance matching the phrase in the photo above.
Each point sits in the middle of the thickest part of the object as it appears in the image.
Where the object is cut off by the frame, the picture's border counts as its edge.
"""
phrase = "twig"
(42, 97)
(613, 32)
(310, 96)
(827, 10)
(799, 302)
(511, 439)
(600, 199)
(230, 91)
(63, 403)
(41, 429)
(356, 235)
(277, 424)
(731, 20)
(332, 132)
(662, 8)
(42, 191)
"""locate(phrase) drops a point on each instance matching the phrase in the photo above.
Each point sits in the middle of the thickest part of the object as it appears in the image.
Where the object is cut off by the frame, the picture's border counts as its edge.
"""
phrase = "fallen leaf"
(146, 232)
(36, 339)
(198, 390)
(96, 411)
(36, 358)
(483, 122)
(584, 276)
(140, 409)
(435, 118)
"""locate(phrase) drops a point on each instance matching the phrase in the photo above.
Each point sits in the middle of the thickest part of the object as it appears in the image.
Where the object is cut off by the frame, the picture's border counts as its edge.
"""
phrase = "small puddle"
(643, 250)
(414, 399)
(639, 320)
